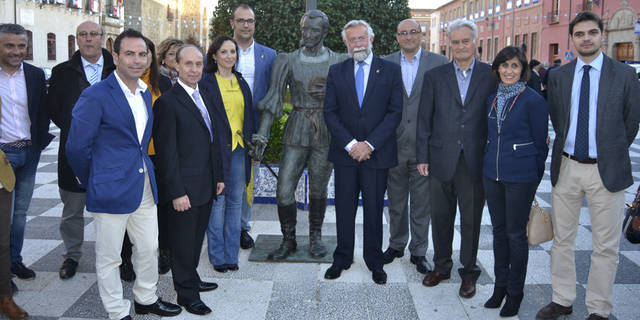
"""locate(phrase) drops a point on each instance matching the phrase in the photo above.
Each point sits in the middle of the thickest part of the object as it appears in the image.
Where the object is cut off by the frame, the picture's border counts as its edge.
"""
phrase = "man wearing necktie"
(86, 67)
(593, 108)
(362, 116)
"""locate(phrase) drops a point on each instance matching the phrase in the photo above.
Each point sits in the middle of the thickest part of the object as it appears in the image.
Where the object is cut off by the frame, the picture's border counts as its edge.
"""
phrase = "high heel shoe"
(512, 305)
(496, 299)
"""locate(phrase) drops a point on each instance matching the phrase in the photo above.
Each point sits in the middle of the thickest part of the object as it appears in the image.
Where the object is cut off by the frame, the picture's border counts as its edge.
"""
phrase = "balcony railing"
(553, 17)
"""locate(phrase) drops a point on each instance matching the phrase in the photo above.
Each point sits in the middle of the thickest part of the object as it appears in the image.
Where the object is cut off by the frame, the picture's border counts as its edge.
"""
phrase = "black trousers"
(5, 254)
(468, 194)
(185, 241)
(349, 182)
(509, 206)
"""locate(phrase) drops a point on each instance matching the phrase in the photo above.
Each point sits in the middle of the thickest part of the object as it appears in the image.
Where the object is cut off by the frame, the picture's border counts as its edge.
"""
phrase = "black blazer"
(376, 121)
(67, 82)
(187, 161)
(446, 123)
(36, 103)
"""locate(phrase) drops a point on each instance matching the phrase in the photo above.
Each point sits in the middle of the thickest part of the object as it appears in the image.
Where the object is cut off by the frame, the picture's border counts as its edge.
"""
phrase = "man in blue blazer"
(362, 117)
(254, 63)
(107, 150)
(24, 129)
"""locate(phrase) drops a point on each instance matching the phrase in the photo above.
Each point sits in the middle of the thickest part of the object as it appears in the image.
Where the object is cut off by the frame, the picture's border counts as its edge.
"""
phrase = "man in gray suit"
(450, 138)
(404, 180)
(593, 107)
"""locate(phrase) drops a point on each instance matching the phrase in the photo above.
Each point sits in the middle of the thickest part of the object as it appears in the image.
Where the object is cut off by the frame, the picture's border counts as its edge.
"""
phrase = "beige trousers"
(575, 182)
(142, 227)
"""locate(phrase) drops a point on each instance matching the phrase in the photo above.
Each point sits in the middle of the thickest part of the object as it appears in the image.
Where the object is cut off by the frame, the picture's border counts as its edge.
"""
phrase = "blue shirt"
(464, 78)
(409, 70)
(594, 83)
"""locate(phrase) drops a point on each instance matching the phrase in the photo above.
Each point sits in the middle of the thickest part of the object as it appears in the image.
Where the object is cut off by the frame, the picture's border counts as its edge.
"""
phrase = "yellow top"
(155, 94)
(234, 106)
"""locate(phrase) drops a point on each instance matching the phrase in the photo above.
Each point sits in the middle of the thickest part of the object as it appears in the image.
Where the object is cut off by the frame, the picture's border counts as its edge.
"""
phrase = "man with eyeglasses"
(254, 62)
(86, 67)
(405, 183)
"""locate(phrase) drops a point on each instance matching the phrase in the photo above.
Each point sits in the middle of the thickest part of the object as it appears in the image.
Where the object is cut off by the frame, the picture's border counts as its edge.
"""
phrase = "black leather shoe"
(197, 307)
(126, 271)
(334, 271)
(207, 286)
(163, 263)
(379, 276)
(391, 254)
(421, 264)
(594, 316)
(220, 268)
(232, 267)
(21, 271)
(246, 242)
(160, 308)
(68, 269)
(126, 318)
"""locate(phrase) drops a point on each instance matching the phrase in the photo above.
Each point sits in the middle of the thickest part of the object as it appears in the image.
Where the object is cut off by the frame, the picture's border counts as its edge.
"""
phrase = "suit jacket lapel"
(374, 72)
(422, 68)
(474, 82)
(347, 73)
(146, 96)
(452, 81)
(183, 97)
(29, 83)
(566, 86)
(607, 77)
(397, 58)
(122, 104)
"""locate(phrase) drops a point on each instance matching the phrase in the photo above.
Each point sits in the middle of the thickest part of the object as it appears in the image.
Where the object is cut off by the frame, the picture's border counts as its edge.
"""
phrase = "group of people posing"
(157, 138)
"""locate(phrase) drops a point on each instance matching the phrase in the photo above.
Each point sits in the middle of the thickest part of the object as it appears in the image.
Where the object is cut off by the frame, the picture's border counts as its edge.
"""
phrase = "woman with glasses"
(167, 58)
(514, 163)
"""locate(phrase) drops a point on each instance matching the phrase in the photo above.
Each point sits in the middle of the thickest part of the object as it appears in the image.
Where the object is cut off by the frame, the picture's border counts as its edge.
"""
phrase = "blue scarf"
(504, 94)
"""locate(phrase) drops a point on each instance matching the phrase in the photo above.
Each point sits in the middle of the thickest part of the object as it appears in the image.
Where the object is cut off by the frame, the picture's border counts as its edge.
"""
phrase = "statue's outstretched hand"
(259, 143)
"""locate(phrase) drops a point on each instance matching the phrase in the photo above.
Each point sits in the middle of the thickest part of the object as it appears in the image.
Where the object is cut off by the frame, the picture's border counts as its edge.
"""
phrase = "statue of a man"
(305, 139)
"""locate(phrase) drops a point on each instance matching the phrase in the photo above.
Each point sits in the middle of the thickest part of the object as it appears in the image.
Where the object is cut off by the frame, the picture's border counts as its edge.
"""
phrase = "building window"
(525, 43)
(29, 46)
(489, 50)
(534, 45)
(517, 42)
(553, 52)
(71, 41)
(110, 45)
(480, 50)
(508, 41)
(51, 46)
(496, 45)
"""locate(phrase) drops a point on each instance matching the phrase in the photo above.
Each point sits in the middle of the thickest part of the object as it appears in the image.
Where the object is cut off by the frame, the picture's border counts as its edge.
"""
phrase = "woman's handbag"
(539, 228)
(631, 224)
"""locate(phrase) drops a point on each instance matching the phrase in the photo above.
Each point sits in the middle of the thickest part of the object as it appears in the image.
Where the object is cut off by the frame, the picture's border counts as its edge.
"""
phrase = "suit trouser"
(142, 227)
(467, 193)
(185, 238)
(606, 209)
(349, 182)
(72, 223)
(5, 253)
(406, 184)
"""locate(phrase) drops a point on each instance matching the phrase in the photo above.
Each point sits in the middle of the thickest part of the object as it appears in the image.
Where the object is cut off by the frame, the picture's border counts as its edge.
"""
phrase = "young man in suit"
(189, 171)
(107, 150)
(86, 67)
(24, 130)
(404, 179)
(362, 117)
(594, 112)
(254, 63)
(450, 141)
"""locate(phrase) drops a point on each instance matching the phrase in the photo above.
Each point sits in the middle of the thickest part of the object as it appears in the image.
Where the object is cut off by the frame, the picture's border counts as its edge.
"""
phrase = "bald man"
(87, 66)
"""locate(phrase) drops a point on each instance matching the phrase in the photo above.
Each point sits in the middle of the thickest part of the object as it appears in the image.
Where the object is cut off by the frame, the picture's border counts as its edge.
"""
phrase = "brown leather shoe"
(433, 278)
(11, 309)
(467, 288)
(552, 311)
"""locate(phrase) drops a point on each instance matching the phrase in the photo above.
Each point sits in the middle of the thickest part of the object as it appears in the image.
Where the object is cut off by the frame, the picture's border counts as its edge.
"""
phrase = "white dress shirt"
(15, 124)
(247, 64)
(366, 68)
(137, 105)
(88, 69)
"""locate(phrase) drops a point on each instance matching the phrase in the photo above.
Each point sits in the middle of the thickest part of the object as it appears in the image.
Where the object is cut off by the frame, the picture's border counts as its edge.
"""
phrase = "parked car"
(635, 65)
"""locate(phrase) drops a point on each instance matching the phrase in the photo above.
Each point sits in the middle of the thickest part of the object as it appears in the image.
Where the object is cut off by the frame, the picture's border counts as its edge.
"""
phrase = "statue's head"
(314, 25)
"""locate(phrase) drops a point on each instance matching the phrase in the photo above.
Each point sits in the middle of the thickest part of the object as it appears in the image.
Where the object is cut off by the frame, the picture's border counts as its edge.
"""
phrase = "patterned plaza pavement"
(262, 290)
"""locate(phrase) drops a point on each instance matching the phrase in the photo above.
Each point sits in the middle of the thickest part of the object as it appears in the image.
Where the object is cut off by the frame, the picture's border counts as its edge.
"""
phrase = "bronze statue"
(305, 139)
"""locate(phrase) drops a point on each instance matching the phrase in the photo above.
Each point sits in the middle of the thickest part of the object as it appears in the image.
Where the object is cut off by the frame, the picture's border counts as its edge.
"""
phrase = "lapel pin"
(377, 70)
(262, 56)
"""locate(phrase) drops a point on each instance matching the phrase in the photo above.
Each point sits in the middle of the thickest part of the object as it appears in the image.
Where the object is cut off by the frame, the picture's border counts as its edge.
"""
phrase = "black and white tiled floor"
(298, 290)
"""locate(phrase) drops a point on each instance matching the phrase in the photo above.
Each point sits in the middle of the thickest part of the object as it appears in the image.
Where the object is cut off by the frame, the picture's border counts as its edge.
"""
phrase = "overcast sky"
(426, 4)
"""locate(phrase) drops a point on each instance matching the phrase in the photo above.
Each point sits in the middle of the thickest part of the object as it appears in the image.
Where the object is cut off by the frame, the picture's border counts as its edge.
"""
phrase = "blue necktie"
(360, 82)
(203, 112)
(581, 150)
(94, 76)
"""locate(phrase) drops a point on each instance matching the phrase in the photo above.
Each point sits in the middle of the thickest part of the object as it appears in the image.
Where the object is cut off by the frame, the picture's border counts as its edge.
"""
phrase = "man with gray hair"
(362, 109)
(450, 139)
(404, 180)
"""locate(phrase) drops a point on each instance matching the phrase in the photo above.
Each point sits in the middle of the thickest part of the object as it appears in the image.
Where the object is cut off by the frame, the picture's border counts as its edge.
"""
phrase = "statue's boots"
(287, 215)
(317, 207)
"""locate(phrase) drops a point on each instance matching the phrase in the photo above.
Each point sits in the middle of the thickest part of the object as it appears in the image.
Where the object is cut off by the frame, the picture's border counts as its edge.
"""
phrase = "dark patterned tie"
(581, 150)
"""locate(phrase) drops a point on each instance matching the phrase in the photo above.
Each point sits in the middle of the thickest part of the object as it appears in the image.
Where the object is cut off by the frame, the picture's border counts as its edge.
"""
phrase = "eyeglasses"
(357, 40)
(243, 21)
(412, 32)
(93, 34)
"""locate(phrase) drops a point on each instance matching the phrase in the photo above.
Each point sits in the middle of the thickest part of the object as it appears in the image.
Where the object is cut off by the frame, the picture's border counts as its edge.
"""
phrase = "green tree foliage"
(278, 21)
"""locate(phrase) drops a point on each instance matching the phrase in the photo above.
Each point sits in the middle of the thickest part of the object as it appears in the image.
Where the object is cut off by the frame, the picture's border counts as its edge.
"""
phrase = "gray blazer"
(446, 124)
(406, 132)
(617, 119)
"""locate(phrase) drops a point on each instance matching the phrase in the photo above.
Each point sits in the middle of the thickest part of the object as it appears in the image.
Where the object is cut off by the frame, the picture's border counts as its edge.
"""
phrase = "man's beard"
(363, 52)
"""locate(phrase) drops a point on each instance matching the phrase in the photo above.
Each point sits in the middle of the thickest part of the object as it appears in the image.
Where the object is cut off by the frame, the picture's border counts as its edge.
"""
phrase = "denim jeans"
(25, 164)
(223, 231)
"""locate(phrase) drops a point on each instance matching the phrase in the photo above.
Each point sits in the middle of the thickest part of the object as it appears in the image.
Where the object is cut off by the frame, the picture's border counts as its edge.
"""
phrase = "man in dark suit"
(87, 66)
(451, 136)
(24, 130)
(362, 117)
(107, 150)
(593, 107)
(404, 179)
(254, 63)
(189, 171)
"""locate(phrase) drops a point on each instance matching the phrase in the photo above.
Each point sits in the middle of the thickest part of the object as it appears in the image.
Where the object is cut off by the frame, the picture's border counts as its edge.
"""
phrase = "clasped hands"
(182, 204)
(360, 151)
